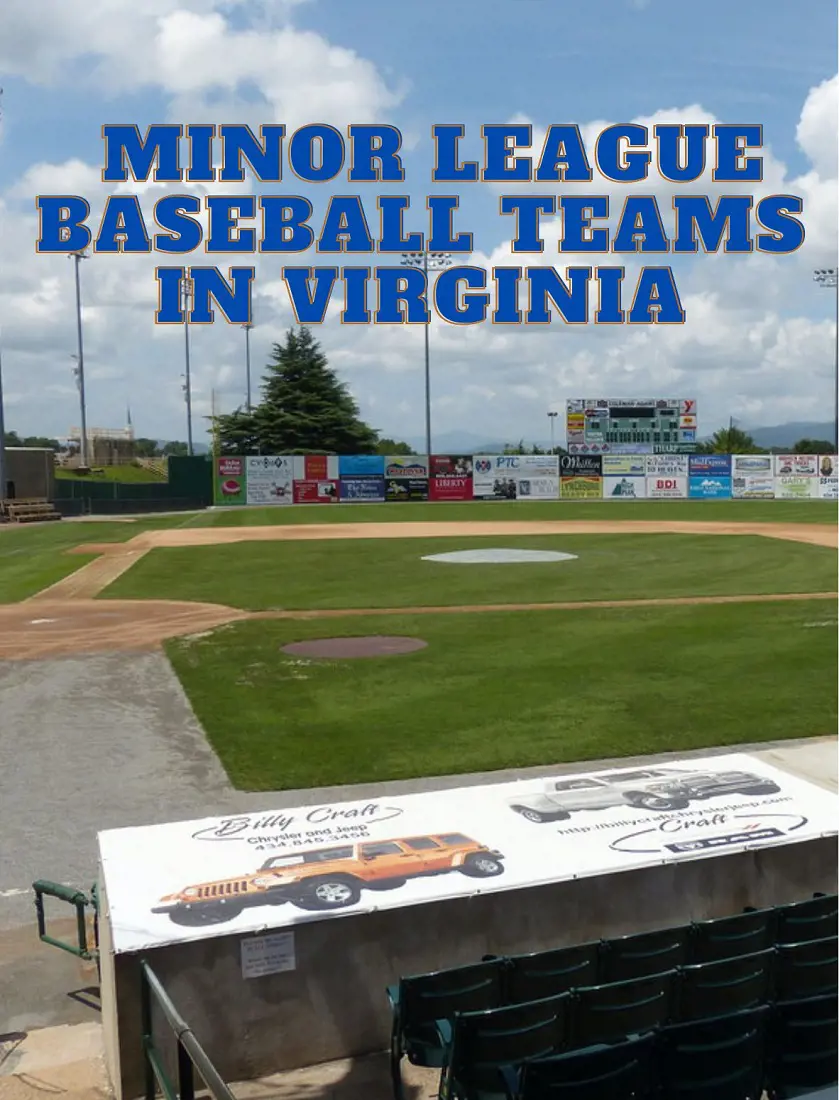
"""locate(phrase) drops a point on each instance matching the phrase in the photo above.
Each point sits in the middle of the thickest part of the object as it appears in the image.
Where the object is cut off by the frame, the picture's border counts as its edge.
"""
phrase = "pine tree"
(304, 408)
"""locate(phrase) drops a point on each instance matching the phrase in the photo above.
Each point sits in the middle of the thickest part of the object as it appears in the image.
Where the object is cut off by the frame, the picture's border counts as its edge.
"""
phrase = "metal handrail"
(191, 1055)
(81, 902)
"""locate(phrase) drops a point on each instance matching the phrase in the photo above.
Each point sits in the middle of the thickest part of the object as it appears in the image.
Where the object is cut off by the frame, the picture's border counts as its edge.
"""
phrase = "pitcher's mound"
(499, 557)
(375, 645)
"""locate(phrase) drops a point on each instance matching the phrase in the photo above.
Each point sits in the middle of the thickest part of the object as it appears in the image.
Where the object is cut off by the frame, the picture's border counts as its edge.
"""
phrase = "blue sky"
(751, 333)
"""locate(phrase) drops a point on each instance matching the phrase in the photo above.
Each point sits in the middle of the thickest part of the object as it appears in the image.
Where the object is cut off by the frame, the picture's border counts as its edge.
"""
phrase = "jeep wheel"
(482, 866)
(213, 913)
(645, 801)
(761, 788)
(328, 893)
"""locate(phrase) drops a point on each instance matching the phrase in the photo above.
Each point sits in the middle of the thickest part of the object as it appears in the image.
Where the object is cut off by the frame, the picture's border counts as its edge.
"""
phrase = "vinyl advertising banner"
(829, 488)
(316, 468)
(753, 487)
(230, 481)
(623, 466)
(516, 477)
(451, 477)
(406, 488)
(796, 465)
(361, 466)
(270, 479)
(360, 489)
(624, 488)
(709, 465)
(580, 466)
(316, 492)
(803, 487)
(667, 466)
(667, 488)
(752, 465)
(828, 466)
(414, 466)
(709, 487)
(537, 488)
(581, 488)
(192, 880)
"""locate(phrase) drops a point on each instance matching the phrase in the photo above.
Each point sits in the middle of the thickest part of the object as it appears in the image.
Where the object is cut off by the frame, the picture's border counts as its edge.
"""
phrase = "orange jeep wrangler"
(332, 878)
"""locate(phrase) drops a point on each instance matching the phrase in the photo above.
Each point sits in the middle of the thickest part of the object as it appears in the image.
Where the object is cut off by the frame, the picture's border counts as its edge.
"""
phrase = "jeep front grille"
(223, 889)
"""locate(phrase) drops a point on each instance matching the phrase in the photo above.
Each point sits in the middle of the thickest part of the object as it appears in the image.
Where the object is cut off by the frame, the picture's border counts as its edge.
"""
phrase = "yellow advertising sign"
(581, 488)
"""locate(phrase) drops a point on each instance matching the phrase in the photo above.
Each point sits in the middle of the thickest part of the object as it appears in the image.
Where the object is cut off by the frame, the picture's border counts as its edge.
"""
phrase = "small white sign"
(272, 954)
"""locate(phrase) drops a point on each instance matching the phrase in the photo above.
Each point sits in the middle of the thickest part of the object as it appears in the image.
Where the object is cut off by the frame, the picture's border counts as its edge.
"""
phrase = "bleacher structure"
(725, 1009)
(30, 510)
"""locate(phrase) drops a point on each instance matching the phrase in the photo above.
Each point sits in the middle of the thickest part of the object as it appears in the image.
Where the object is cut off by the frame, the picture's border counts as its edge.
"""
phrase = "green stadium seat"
(483, 1045)
(622, 1071)
(716, 1059)
(609, 1013)
(807, 969)
(648, 953)
(803, 1048)
(549, 973)
(814, 919)
(730, 985)
(417, 1003)
(727, 937)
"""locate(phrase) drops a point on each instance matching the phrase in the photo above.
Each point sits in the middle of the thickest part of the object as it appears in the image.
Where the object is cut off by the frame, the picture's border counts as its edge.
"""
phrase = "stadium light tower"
(187, 290)
(552, 417)
(828, 277)
(83, 455)
(427, 261)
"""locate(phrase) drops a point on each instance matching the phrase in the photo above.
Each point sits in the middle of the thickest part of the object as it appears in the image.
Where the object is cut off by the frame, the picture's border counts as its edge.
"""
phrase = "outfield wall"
(371, 479)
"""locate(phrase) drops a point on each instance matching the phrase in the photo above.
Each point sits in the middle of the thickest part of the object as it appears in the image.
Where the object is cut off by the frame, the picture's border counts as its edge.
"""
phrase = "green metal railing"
(83, 949)
(191, 1055)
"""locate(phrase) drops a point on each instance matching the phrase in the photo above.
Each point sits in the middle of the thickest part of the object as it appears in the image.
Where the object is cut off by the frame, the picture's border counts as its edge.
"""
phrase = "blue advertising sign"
(361, 466)
(713, 465)
(709, 487)
(362, 488)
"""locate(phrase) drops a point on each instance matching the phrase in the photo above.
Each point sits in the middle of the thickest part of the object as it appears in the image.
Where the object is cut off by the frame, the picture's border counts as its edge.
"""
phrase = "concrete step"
(66, 1062)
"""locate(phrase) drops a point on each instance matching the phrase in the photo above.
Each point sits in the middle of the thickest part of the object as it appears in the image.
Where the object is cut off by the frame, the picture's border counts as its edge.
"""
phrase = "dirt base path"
(67, 618)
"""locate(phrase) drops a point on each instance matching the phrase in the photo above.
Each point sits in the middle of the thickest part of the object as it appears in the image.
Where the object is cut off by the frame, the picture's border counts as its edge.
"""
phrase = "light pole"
(3, 481)
(83, 455)
(427, 261)
(187, 290)
(828, 277)
(552, 416)
(247, 327)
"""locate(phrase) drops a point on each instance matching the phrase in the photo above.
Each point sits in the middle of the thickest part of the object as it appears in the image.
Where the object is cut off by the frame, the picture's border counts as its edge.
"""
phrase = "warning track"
(68, 619)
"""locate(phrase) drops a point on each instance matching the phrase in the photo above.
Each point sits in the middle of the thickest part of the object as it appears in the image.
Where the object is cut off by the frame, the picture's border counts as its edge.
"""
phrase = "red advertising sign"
(451, 466)
(316, 468)
(315, 492)
(230, 467)
(450, 488)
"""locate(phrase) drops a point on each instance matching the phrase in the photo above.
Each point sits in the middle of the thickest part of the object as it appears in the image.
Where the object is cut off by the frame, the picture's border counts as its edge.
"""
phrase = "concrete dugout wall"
(333, 1004)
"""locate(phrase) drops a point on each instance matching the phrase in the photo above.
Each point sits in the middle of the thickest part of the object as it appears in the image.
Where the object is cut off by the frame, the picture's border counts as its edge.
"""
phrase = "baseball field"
(670, 627)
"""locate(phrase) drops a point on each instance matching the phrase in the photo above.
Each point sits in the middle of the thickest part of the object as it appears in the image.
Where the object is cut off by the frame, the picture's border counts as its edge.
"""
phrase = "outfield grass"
(126, 475)
(391, 573)
(33, 557)
(507, 690)
(717, 511)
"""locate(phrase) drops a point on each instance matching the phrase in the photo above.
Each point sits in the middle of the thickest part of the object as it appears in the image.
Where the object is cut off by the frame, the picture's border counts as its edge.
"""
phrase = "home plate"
(499, 557)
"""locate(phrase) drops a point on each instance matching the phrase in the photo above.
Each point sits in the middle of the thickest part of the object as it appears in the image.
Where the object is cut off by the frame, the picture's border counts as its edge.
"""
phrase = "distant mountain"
(785, 435)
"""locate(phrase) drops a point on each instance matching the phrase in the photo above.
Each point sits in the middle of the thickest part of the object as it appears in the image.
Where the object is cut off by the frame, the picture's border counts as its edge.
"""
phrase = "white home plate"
(499, 557)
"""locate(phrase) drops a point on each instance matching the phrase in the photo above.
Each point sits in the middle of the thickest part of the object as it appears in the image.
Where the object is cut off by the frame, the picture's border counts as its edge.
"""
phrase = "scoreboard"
(623, 426)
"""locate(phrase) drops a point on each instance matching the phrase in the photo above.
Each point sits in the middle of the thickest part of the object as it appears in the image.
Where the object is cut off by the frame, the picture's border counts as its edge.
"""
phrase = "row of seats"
(610, 989)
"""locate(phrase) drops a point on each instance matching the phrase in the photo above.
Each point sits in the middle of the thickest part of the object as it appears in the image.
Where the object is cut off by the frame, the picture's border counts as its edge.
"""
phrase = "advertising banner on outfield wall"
(624, 488)
(406, 466)
(316, 467)
(796, 488)
(581, 488)
(368, 489)
(753, 487)
(451, 477)
(670, 488)
(828, 466)
(230, 481)
(580, 466)
(829, 488)
(361, 466)
(709, 487)
(623, 465)
(796, 465)
(537, 488)
(192, 880)
(315, 492)
(270, 479)
(752, 465)
(667, 466)
(406, 488)
(709, 465)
